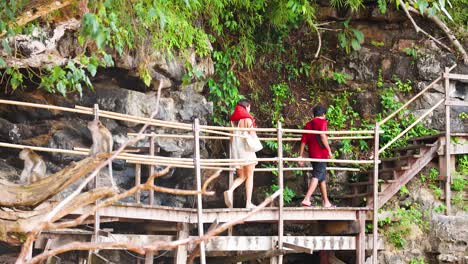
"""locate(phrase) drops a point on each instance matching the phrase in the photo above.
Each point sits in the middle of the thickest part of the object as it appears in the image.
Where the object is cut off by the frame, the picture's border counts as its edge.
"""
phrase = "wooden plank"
(298, 249)
(456, 103)
(137, 182)
(455, 76)
(149, 258)
(447, 140)
(361, 239)
(151, 170)
(375, 195)
(186, 215)
(181, 251)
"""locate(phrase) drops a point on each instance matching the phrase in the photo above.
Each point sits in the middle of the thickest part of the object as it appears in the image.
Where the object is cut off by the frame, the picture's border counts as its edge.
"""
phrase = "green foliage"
(419, 260)
(223, 91)
(459, 183)
(350, 38)
(288, 194)
(377, 43)
(15, 77)
(395, 125)
(341, 77)
(404, 190)
(462, 164)
(440, 208)
(281, 93)
(354, 5)
(463, 115)
(412, 52)
(382, 4)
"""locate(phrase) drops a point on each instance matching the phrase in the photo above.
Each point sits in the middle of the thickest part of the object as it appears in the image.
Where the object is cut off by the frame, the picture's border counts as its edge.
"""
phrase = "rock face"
(449, 238)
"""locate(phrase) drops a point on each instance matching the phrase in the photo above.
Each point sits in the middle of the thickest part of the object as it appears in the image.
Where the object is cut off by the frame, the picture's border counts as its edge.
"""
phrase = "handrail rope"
(227, 138)
(414, 98)
(411, 126)
(175, 125)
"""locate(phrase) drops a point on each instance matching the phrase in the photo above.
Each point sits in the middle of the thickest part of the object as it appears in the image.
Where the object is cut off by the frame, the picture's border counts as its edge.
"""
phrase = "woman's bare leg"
(249, 173)
(228, 195)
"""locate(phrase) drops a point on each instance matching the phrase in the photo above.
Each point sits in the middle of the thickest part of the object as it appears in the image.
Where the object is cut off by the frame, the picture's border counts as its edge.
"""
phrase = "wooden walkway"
(222, 215)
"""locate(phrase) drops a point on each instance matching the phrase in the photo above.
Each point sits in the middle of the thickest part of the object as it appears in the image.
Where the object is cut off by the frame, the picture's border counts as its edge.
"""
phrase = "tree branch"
(155, 246)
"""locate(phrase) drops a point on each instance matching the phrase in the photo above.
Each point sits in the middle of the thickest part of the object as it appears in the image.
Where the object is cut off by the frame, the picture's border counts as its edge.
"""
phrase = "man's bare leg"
(310, 191)
(323, 190)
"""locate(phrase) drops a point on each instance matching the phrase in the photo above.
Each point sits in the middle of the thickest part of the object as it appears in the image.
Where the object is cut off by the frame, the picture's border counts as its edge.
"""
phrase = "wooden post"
(96, 185)
(281, 187)
(375, 227)
(196, 161)
(181, 251)
(138, 182)
(151, 169)
(149, 257)
(231, 179)
(448, 181)
(361, 238)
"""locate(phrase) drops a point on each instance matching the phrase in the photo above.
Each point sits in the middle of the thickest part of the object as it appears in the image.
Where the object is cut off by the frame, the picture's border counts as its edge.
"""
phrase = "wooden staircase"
(396, 171)
(406, 163)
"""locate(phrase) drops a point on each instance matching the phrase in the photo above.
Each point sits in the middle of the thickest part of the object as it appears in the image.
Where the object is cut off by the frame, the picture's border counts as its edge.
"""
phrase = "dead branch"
(146, 186)
(448, 32)
(418, 29)
(158, 245)
(13, 222)
(319, 37)
(30, 195)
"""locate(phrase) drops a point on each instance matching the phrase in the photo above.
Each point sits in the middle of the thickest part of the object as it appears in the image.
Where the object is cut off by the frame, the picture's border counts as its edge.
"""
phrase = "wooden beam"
(196, 161)
(181, 251)
(151, 170)
(138, 182)
(361, 239)
(298, 249)
(456, 103)
(281, 187)
(188, 215)
(455, 76)
(447, 143)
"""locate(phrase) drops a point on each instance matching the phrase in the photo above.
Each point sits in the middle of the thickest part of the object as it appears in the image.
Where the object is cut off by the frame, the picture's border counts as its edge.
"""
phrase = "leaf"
(2, 63)
(108, 61)
(61, 88)
(6, 46)
(422, 5)
(359, 35)
(92, 69)
(101, 40)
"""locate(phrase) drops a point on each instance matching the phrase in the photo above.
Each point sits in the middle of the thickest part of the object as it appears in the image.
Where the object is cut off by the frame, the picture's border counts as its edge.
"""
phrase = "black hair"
(244, 103)
(319, 110)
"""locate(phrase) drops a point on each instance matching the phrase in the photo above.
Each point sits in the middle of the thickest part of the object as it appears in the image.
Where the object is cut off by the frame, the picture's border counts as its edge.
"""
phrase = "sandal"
(306, 205)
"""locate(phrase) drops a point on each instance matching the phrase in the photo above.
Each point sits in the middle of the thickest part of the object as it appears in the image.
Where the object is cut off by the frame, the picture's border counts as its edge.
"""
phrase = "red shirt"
(315, 150)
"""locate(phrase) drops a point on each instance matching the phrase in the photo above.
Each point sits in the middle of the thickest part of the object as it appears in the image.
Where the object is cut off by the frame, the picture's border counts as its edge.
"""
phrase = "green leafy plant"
(404, 190)
(288, 194)
(412, 52)
(377, 43)
(341, 77)
(281, 93)
(458, 182)
(419, 260)
(463, 115)
(350, 38)
(440, 208)
(223, 91)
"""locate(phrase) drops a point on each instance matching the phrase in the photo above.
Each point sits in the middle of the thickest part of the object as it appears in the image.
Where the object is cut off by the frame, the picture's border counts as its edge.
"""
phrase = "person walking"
(242, 118)
(318, 149)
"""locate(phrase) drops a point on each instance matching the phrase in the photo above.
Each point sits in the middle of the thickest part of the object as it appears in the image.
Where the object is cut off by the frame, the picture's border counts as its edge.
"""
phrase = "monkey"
(102, 142)
(34, 166)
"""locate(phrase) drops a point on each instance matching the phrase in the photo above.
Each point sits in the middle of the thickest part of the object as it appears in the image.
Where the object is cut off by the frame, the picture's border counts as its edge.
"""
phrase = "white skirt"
(238, 150)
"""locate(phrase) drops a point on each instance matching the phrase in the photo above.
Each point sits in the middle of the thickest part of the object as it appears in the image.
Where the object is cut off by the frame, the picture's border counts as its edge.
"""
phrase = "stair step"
(413, 147)
(358, 183)
(426, 138)
(403, 168)
(402, 157)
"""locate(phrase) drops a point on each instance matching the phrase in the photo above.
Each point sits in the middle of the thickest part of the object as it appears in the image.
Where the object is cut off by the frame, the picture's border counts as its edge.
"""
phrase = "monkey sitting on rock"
(102, 142)
(34, 166)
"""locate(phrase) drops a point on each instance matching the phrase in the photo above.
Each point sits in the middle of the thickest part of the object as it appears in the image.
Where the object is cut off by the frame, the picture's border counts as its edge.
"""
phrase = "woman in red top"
(242, 118)
(318, 149)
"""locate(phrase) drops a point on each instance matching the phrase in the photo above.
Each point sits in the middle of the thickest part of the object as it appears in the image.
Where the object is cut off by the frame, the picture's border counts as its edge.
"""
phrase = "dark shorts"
(320, 171)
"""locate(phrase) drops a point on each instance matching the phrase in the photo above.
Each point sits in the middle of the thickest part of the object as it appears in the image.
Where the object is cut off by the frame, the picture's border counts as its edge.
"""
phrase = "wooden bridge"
(387, 176)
